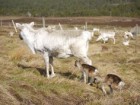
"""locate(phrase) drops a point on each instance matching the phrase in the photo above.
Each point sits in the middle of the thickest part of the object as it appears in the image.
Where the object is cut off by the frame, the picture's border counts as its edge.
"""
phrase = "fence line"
(1, 22)
(43, 22)
(8, 24)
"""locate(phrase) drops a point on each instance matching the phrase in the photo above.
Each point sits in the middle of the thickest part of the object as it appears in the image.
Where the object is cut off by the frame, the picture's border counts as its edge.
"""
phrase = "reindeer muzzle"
(20, 37)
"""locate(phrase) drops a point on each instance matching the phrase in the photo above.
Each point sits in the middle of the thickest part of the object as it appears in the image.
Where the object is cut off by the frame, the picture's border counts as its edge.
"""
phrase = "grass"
(23, 82)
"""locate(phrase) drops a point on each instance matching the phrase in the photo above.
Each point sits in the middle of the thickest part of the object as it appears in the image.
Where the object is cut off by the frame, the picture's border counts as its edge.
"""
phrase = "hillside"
(70, 7)
(22, 80)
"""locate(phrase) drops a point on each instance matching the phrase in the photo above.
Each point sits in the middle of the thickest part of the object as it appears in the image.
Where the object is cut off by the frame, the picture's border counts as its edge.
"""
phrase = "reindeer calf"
(112, 80)
(88, 71)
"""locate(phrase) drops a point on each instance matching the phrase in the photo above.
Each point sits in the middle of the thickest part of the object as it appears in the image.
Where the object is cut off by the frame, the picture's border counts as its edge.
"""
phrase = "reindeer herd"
(66, 43)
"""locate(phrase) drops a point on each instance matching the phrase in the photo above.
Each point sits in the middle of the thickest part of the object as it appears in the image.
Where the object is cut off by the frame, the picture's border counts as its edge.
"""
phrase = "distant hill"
(70, 7)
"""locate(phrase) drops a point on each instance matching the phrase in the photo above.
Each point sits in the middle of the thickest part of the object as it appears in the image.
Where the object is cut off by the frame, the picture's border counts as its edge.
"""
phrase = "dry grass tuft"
(18, 54)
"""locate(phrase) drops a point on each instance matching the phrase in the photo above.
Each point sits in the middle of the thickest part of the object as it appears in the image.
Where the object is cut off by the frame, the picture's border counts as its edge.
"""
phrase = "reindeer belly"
(61, 53)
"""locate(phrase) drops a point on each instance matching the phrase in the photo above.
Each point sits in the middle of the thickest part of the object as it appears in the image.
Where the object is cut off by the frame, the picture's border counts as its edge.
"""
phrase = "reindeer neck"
(29, 38)
(29, 35)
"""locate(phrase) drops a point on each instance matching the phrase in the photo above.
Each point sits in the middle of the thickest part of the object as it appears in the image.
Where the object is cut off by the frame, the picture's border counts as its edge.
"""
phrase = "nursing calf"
(89, 72)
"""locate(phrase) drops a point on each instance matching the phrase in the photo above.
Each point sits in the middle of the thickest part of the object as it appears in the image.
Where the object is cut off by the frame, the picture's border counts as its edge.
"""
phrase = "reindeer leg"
(103, 89)
(46, 59)
(111, 90)
(82, 76)
(85, 77)
(90, 80)
(104, 41)
(51, 65)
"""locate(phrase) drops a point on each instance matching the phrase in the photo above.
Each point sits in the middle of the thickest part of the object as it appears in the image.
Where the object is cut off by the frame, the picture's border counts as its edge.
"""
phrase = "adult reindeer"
(55, 43)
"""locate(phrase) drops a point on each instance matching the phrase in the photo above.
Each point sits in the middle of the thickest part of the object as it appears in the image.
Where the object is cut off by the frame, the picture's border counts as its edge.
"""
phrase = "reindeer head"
(24, 28)
(27, 34)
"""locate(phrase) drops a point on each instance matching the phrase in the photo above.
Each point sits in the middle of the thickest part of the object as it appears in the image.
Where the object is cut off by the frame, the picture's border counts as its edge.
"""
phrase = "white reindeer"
(128, 35)
(105, 36)
(96, 30)
(126, 42)
(58, 43)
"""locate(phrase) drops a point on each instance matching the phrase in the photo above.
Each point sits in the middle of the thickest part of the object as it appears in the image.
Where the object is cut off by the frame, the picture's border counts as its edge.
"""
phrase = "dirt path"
(102, 20)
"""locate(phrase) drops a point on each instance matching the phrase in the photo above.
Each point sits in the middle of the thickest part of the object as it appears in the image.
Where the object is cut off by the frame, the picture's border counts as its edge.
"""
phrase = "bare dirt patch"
(102, 20)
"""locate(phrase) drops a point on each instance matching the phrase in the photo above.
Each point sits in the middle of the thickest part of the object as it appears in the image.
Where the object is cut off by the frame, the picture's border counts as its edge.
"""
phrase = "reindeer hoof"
(53, 75)
(89, 83)
(48, 77)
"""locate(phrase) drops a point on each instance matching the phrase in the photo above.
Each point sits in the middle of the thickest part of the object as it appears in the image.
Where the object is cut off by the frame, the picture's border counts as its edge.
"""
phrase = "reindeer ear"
(32, 23)
(18, 25)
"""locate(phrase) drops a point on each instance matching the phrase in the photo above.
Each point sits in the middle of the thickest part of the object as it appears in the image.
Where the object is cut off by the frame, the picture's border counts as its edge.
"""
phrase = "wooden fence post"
(60, 26)
(43, 21)
(86, 26)
(14, 26)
